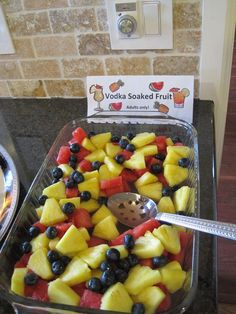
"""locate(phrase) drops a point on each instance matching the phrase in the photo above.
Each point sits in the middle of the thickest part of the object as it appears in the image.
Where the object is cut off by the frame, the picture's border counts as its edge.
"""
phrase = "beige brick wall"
(59, 42)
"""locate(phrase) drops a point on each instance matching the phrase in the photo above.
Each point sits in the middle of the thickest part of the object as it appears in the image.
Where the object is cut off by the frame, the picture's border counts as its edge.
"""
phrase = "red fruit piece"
(111, 183)
(72, 192)
(22, 263)
(162, 179)
(146, 262)
(126, 154)
(120, 239)
(83, 152)
(81, 218)
(178, 144)
(40, 226)
(140, 172)
(63, 155)
(166, 303)
(161, 143)
(128, 175)
(117, 189)
(85, 165)
(39, 291)
(79, 289)
(148, 225)
(126, 186)
(79, 134)
(62, 228)
(94, 241)
(91, 299)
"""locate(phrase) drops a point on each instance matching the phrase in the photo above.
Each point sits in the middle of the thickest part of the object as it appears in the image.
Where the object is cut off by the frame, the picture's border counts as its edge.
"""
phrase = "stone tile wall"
(59, 42)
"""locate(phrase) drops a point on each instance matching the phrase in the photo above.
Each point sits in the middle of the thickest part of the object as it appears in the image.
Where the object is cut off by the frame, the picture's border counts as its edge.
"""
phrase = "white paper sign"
(172, 95)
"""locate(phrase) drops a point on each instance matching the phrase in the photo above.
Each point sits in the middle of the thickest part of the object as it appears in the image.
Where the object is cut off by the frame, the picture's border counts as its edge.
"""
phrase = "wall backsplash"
(59, 42)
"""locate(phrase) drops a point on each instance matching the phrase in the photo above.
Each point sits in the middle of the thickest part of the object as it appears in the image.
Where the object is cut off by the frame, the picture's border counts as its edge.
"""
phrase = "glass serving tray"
(118, 125)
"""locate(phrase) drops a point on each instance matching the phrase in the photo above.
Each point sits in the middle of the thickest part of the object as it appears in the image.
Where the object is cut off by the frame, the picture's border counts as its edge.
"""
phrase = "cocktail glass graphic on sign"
(179, 96)
(98, 96)
(161, 107)
(115, 106)
(156, 86)
(115, 86)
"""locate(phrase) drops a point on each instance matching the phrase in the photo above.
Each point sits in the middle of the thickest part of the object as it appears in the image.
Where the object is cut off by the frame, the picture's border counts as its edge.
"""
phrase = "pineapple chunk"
(102, 213)
(90, 205)
(151, 298)
(175, 174)
(148, 246)
(183, 151)
(166, 205)
(91, 185)
(39, 211)
(56, 190)
(148, 150)
(169, 238)
(93, 256)
(91, 174)
(146, 178)
(106, 229)
(172, 158)
(123, 251)
(72, 242)
(112, 150)
(17, 281)
(67, 170)
(59, 292)
(97, 155)
(141, 277)
(53, 243)
(174, 265)
(101, 139)
(77, 271)
(52, 213)
(173, 279)
(38, 263)
(136, 161)
(152, 190)
(104, 173)
(84, 233)
(113, 166)
(181, 198)
(116, 298)
(39, 242)
(73, 200)
(143, 139)
(87, 144)
(169, 142)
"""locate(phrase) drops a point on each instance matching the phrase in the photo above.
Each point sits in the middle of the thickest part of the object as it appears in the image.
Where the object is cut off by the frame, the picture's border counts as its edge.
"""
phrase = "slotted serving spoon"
(132, 209)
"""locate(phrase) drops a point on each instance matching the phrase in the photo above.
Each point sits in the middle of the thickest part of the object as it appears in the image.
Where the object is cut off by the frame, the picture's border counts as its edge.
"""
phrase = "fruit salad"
(78, 254)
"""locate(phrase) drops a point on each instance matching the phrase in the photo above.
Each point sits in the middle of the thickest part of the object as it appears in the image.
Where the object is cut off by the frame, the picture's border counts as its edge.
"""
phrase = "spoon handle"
(217, 228)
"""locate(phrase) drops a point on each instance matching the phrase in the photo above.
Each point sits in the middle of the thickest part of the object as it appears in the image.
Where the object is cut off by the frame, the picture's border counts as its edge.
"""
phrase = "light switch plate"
(161, 39)
(6, 45)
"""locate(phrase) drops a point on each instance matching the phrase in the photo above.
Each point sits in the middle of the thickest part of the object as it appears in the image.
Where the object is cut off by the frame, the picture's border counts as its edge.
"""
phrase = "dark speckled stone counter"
(28, 127)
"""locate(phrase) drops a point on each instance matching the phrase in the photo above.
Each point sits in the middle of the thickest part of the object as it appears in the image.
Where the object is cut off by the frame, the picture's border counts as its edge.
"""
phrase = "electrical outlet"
(6, 45)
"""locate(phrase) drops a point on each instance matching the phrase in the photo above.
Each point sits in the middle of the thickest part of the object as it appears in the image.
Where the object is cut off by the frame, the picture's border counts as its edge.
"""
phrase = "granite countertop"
(28, 127)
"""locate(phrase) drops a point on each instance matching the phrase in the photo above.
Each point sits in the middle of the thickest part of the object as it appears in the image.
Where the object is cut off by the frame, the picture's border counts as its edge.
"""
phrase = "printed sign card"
(172, 95)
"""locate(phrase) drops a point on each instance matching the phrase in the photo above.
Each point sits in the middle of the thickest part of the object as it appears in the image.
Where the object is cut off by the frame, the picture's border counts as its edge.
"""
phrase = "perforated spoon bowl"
(132, 209)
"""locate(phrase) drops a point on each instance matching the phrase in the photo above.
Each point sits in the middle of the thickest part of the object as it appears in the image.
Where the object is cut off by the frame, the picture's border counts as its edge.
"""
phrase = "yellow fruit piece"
(67, 170)
(91, 174)
(173, 279)
(93, 256)
(17, 281)
(90, 205)
(72, 242)
(143, 139)
(39, 211)
(148, 246)
(92, 186)
(175, 174)
(112, 150)
(77, 271)
(84, 233)
(87, 144)
(183, 151)
(102, 213)
(116, 298)
(174, 265)
(106, 229)
(104, 173)
(59, 292)
(56, 190)
(169, 142)
(123, 251)
(113, 166)
(181, 198)
(169, 238)
(52, 213)
(39, 242)
(53, 243)
(101, 139)
(172, 158)
(147, 150)
(73, 200)
(151, 298)
(97, 155)
(136, 161)
(166, 205)
(146, 178)
(153, 190)
(141, 277)
(38, 263)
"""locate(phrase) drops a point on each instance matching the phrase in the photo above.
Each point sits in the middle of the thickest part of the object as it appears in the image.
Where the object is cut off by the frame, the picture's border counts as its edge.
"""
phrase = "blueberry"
(74, 148)
(91, 133)
(176, 139)
(138, 308)
(115, 139)
(34, 231)
(96, 165)
(130, 136)
(51, 232)
(42, 199)
(130, 147)
(124, 264)
(105, 265)
(68, 208)
(167, 192)
(184, 162)
(133, 259)
(121, 275)
(57, 173)
(31, 279)
(94, 284)
(159, 261)
(108, 278)
(129, 241)
(160, 156)
(112, 255)
(156, 168)
(102, 200)
(73, 158)
(58, 267)
(85, 196)
(26, 247)
(70, 184)
(119, 158)
(65, 259)
(72, 164)
(77, 177)
(53, 256)
(123, 143)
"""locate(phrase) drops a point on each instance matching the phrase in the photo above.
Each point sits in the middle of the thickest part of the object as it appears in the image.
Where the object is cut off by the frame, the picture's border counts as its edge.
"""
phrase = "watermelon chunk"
(79, 134)
(39, 291)
(94, 241)
(90, 299)
(62, 228)
(81, 218)
(22, 263)
(148, 225)
(63, 155)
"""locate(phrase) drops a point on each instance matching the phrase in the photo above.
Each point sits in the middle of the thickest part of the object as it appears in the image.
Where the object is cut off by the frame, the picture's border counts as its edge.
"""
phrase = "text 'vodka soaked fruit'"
(76, 253)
